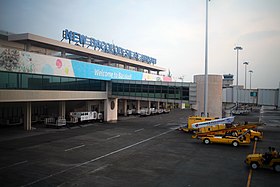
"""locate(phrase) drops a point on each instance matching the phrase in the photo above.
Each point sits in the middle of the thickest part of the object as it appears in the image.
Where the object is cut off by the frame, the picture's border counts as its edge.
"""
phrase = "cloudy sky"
(172, 31)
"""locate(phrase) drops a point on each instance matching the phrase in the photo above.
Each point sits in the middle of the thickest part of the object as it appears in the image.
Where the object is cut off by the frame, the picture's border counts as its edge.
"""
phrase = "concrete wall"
(214, 94)
(229, 96)
(111, 110)
(268, 97)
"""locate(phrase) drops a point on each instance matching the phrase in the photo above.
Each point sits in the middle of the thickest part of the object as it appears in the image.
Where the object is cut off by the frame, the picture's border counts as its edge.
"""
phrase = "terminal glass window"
(126, 89)
(149, 89)
(13, 80)
(24, 80)
(35, 83)
(120, 88)
(4, 79)
(138, 90)
(82, 84)
(132, 90)
(9, 80)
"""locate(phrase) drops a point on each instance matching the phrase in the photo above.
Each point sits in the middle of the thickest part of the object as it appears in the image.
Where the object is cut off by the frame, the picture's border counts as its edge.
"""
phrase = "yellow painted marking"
(250, 173)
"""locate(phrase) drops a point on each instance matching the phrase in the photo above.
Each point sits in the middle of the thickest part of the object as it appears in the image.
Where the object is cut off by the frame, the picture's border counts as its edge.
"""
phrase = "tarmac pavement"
(137, 151)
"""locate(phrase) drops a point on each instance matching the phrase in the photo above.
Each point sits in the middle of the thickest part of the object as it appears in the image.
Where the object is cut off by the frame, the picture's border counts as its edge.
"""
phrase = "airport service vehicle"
(160, 111)
(166, 111)
(243, 139)
(129, 111)
(194, 119)
(206, 123)
(266, 160)
(234, 130)
(56, 123)
(254, 135)
(152, 111)
(84, 116)
(145, 112)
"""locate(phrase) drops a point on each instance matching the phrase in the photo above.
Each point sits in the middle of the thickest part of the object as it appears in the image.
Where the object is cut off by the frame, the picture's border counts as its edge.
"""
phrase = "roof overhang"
(78, 50)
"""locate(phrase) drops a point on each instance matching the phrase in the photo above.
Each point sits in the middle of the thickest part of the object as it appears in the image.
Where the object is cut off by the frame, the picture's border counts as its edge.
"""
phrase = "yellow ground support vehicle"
(254, 135)
(256, 161)
(243, 139)
(195, 119)
(235, 130)
(211, 128)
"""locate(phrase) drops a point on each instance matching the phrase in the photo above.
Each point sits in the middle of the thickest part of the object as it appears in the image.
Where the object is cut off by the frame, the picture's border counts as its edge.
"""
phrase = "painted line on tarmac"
(98, 158)
(139, 130)
(99, 169)
(113, 137)
(15, 164)
(157, 125)
(77, 147)
(250, 173)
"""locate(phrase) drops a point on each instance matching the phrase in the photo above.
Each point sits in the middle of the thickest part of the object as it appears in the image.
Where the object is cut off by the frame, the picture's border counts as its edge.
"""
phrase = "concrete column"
(138, 103)
(111, 110)
(158, 105)
(125, 107)
(62, 109)
(215, 95)
(27, 116)
(149, 104)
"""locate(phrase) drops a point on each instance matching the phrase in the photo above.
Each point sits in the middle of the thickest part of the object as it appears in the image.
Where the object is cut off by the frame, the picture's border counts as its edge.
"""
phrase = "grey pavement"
(137, 151)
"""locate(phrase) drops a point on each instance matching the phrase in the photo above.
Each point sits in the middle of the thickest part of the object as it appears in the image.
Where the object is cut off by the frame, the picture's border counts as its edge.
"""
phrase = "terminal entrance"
(15, 114)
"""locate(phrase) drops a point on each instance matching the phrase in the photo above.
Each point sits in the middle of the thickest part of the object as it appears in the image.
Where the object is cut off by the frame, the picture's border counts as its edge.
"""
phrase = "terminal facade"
(41, 77)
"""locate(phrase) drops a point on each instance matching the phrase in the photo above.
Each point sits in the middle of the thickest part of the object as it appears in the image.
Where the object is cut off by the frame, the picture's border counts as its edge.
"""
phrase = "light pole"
(246, 64)
(181, 97)
(237, 48)
(250, 71)
(206, 64)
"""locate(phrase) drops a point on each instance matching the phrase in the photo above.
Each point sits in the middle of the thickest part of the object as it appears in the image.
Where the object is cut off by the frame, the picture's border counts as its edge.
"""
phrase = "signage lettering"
(105, 47)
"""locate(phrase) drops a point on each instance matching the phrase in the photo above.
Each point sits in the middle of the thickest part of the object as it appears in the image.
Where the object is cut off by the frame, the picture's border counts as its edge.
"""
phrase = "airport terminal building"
(45, 78)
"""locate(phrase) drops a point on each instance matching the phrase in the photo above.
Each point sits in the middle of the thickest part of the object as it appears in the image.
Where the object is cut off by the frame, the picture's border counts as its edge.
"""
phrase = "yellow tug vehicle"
(269, 159)
(243, 139)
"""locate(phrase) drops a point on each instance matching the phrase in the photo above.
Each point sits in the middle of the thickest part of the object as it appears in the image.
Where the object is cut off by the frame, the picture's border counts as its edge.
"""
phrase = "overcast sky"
(172, 31)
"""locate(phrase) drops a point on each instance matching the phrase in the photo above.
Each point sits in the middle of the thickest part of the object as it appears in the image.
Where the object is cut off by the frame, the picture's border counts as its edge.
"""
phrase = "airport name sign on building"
(98, 45)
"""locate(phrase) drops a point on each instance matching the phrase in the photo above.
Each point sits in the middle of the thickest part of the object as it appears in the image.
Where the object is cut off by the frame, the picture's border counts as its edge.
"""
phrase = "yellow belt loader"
(232, 131)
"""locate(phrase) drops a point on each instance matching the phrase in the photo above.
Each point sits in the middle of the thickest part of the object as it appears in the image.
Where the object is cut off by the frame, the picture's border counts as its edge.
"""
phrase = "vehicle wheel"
(276, 167)
(235, 143)
(206, 141)
(256, 138)
(254, 165)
